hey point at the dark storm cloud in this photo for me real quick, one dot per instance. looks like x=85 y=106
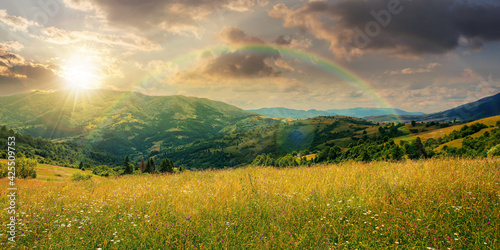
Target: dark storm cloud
x=397 y=26
x=476 y=20
x=241 y=63
x=236 y=35
x=282 y=40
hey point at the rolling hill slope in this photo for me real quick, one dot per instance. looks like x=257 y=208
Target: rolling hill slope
x=124 y=123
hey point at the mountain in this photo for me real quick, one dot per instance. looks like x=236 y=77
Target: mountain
x=483 y=108
x=362 y=112
x=123 y=123
x=353 y=112
x=101 y=127
x=291 y=113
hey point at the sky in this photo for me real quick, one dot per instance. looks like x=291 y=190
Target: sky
x=415 y=55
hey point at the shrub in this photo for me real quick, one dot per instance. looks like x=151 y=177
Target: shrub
x=25 y=168
x=104 y=171
x=494 y=151
x=80 y=177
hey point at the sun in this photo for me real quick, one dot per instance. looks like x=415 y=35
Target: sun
x=81 y=73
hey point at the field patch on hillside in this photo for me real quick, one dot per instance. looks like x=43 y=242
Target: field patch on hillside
x=441 y=132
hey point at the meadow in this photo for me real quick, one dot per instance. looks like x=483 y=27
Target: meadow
x=425 y=204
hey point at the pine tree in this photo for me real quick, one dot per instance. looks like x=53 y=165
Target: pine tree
x=142 y=166
x=152 y=166
x=147 y=169
x=127 y=166
x=420 y=147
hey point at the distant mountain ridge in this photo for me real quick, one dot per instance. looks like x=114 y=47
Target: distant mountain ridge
x=281 y=112
x=483 y=108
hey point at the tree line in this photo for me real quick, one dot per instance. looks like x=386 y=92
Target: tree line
x=386 y=149
x=143 y=167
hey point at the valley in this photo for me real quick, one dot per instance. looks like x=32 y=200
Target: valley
x=101 y=127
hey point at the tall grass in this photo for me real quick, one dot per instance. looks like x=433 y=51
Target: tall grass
x=438 y=203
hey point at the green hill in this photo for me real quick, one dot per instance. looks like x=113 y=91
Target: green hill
x=302 y=135
x=102 y=127
x=194 y=132
x=123 y=123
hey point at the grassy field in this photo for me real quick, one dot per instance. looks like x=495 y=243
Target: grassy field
x=56 y=173
x=439 y=203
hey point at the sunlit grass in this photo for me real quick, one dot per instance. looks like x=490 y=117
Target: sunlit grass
x=439 y=203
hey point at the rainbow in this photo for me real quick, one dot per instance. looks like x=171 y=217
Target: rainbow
x=310 y=57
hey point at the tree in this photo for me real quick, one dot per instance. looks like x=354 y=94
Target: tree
x=166 y=166
x=128 y=169
x=80 y=166
x=152 y=167
x=147 y=169
x=413 y=123
x=396 y=153
x=142 y=166
x=420 y=147
x=263 y=160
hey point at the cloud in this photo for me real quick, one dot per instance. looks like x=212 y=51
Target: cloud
x=353 y=27
x=283 y=64
x=239 y=64
x=129 y=41
x=12 y=45
x=236 y=63
x=408 y=71
x=16 y=22
x=18 y=75
x=61 y=36
x=236 y=35
x=301 y=43
x=171 y=15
